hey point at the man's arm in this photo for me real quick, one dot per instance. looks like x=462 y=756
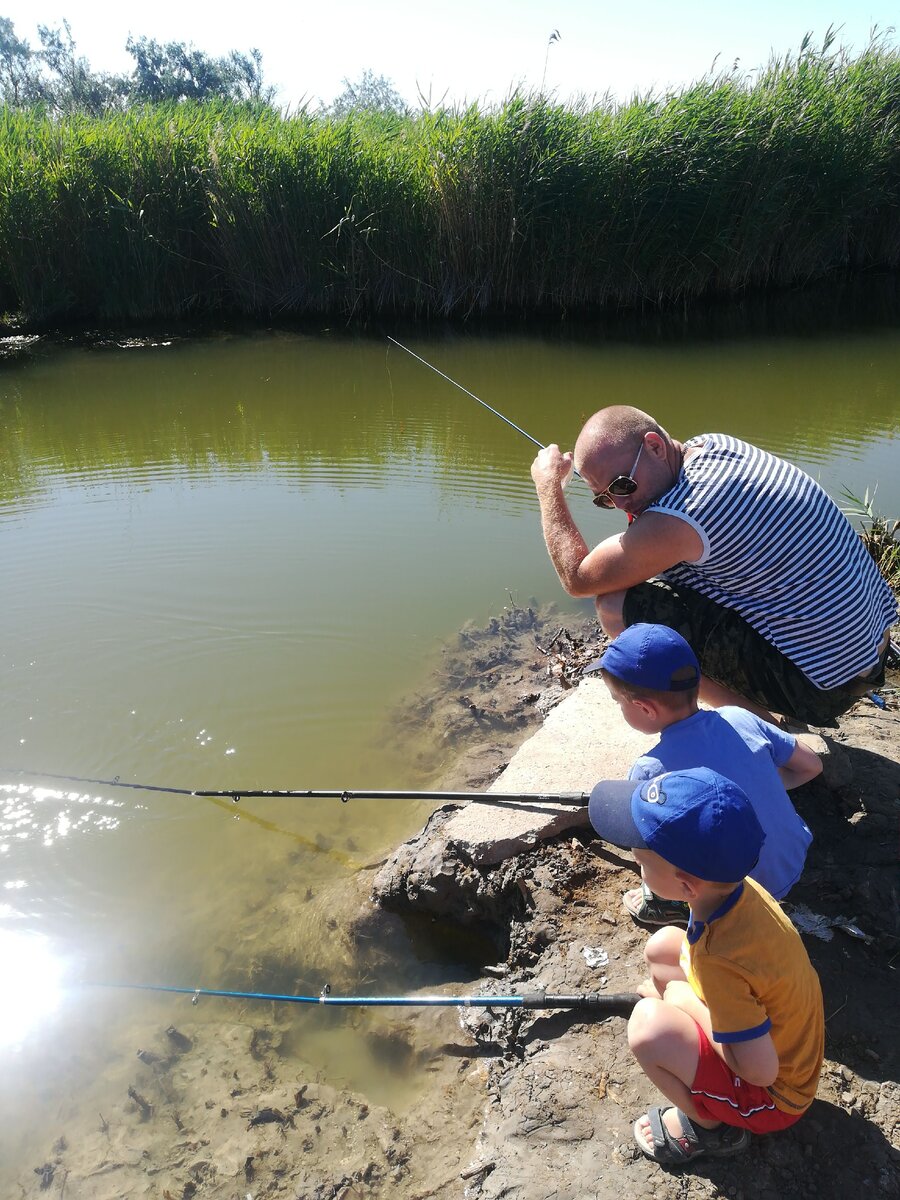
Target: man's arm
x=650 y=545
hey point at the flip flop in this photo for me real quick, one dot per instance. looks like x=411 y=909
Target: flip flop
x=695 y=1142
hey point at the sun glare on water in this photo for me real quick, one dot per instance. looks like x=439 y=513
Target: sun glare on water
x=32 y=984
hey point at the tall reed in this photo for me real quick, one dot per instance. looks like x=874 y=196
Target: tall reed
x=531 y=206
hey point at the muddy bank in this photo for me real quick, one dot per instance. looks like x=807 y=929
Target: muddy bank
x=492 y=688
x=564 y=1092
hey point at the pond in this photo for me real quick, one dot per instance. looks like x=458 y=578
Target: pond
x=225 y=563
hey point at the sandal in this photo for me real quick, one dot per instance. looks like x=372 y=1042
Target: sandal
x=648 y=909
x=695 y=1141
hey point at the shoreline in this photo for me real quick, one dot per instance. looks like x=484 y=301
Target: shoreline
x=506 y=1103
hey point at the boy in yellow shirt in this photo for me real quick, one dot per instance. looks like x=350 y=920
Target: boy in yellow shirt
x=731 y=1028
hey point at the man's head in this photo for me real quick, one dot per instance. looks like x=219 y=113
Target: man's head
x=619 y=443
x=653 y=675
x=696 y=822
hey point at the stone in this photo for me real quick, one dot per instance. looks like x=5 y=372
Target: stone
x=583 y=740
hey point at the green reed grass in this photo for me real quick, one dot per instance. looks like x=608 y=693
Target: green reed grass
x=529 y=207
x=879 y=534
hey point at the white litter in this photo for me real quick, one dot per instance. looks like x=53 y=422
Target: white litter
x=595 y=956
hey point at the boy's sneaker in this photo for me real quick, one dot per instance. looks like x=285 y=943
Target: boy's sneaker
x=648 y=909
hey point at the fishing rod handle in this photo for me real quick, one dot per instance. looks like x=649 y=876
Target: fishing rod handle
x=597 y=1001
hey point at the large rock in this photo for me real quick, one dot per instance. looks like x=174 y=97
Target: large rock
x=584 y=739
x=447 y=868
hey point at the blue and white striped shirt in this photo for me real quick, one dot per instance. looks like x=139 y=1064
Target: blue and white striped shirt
x=779 y=551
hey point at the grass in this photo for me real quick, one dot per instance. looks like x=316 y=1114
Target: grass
x=878 y=534
x=529 y=207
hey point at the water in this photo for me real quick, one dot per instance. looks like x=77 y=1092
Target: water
x=224 y=562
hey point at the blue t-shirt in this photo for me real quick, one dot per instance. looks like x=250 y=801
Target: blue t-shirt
x=748 y=750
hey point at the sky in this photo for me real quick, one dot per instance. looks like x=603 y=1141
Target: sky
x=467 y=49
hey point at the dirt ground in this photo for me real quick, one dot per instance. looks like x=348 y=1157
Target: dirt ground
x=524 y=1106
x=562 y=1098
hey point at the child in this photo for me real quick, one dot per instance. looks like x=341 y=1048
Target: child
x=731 y=1028
x=653 y=675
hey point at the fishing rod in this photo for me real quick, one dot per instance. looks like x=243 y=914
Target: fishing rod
x=483 y=403
x=620 y=1003
x=579 y=799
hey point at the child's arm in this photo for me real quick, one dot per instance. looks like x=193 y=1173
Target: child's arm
x=756 y=1061
x=803 y=765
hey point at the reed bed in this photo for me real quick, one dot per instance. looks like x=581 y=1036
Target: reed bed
x=533 y=206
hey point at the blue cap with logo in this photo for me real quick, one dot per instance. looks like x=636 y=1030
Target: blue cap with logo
x=697 y=820
x=652 y=656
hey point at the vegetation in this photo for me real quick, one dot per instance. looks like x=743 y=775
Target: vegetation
x=193 y=206
x=58 y=80
x=878 y=534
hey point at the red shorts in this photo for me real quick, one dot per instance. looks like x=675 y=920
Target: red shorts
x=719 y=1095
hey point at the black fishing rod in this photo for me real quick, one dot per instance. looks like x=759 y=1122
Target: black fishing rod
x=484 y=404
x=579 y=799
x=620 y=1003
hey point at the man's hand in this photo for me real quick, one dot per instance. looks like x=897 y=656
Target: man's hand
x=552 y=467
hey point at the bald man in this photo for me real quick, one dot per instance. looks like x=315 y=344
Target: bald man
x=741 y=552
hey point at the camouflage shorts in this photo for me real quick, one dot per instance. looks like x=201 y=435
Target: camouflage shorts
x=732 y=653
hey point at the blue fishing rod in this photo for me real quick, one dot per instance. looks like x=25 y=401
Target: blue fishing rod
x=614 y=1004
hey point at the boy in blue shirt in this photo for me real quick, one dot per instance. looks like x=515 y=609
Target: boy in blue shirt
x=653 y=675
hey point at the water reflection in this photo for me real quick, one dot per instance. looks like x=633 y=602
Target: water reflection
x=32 y=980
x=46 y=815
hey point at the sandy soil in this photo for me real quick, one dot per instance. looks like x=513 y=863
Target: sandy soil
x=503 y=1104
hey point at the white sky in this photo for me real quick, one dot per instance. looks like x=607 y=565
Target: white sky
x=468 y=49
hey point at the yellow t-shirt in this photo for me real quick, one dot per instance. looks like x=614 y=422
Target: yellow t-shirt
x=750 y=968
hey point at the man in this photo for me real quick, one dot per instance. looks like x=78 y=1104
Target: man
x=746 y=556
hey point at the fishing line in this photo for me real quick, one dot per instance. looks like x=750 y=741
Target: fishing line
x=483 y=403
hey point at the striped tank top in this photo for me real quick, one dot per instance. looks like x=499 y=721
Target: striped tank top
x=778 y=550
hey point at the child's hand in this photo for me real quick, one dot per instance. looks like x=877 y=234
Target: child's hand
x=647 y=989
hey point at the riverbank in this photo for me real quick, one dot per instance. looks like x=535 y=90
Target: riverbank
x=562 y=1093
x=739 y=182
x=216 y=1101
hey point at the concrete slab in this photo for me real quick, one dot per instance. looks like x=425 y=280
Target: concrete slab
x=583 y=739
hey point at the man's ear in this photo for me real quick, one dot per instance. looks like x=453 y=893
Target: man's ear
x=654 y=444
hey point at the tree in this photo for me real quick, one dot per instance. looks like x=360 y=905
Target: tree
x=57 y=77
x=178 y=71
x=371 y=93
x=20 y=75
x=73 y=86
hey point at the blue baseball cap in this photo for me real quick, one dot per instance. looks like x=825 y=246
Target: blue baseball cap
x=697 y=820
x=652 y=656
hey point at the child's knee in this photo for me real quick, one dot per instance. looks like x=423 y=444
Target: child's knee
x=609 y=613
x=662 y=948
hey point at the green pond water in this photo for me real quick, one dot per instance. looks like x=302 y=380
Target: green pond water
x=224 y=563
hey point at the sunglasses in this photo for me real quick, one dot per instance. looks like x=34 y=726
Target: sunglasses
x=622 y=485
